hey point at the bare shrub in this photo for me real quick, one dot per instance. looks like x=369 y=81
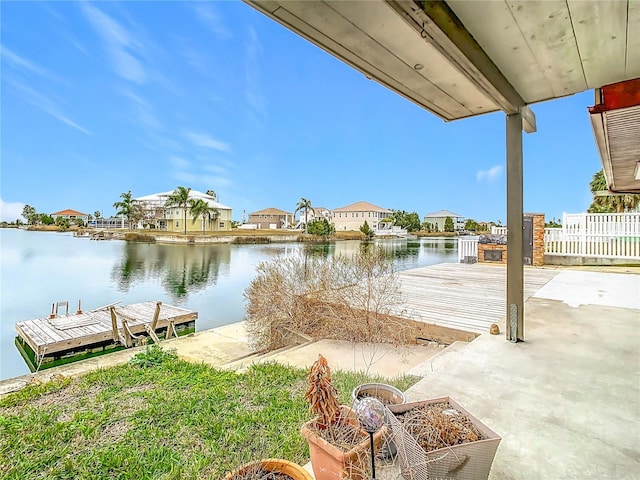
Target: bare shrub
x=344 y=298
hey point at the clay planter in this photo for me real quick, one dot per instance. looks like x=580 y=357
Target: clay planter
x=330 y=462
x=295 y=471
x=467 y=461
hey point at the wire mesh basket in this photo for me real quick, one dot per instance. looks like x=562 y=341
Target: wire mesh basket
x=466 y=461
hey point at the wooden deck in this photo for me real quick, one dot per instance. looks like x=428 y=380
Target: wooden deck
x=46 y=336
x=468 y=297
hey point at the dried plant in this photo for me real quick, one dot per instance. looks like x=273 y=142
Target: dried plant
x=356 y=298
x=438 y=425
x=322 y=395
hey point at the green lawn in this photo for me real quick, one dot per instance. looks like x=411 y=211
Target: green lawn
x=159 y=417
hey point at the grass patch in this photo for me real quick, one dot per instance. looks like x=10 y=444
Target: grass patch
x=159 y=417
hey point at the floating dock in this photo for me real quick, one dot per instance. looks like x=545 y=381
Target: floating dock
x=49 y=341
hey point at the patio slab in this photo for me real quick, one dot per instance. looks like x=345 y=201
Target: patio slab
x=567 y=400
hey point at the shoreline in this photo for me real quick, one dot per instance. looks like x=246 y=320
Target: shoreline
x=234 y=236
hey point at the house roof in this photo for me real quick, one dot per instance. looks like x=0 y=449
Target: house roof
x=444 y=213
x=162 y=198
x=271 y=211
x=362 y=207
x=70 y=212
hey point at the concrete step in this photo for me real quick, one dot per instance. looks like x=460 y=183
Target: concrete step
x=243 y=363
x=439 y=360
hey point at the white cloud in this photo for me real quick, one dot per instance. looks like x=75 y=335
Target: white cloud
x=47 y=105
x=490 y=174
x=11 y=211
x=211 y=19
x=204 y=140
x=24 y=64
x=120 y=44
x=215 y=169
x=179 y=163
x=144 y=114
x=253 y=92
x=21 y=62
x=199 y=181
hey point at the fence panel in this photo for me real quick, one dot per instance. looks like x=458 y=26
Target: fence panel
x=467 y=247
x=610 y=235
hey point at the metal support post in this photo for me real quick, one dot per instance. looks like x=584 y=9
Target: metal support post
x=515 y=263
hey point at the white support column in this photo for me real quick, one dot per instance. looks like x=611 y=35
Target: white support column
x=515 y=263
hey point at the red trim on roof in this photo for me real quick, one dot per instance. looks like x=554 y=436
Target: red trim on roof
x=618 y=95
x=70 y=212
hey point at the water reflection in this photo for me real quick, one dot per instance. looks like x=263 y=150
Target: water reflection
x=181 y=269
x=40 y=267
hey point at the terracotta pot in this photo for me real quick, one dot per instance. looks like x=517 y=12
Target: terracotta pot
x=331 y=463
x=295 y=471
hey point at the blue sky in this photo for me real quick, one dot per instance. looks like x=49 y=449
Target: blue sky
x=100 y=98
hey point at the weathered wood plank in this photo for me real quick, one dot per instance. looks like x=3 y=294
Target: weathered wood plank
x=460 y=296
x=40 y=334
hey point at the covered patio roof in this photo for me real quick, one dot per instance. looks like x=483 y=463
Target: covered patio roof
x=460 y=58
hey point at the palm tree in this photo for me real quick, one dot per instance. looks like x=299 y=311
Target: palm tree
x=125 y=207
x=180 y=198
x=305 y=205
x=609 y=203
x=201 y=208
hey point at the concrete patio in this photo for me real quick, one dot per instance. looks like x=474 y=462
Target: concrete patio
x=566 y=401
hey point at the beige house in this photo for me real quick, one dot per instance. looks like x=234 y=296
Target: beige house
x=352 y=216
x=171 y=219
x=271 y=218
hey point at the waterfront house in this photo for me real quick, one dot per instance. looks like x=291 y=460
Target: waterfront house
x=71 y=215
x=313 y=214
x=156 y=215
x=353 y=216
x=271 y=218
x=438 y=218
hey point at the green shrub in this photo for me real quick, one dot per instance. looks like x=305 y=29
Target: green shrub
x=153 y=356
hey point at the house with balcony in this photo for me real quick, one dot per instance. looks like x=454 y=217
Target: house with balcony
x=313 y=214
x=271 y=218
x=352 y=217
x=155 y=214
x=438 y=218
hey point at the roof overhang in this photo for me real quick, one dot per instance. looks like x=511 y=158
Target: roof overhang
x=460 y=58
x=615 y=118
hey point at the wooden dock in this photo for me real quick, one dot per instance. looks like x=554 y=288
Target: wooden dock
x=467 y=297
x=59 y=335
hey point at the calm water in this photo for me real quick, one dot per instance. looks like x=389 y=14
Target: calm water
x=39 y=268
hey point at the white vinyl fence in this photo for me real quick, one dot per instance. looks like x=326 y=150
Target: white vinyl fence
x=605 y=235
x=467 y=247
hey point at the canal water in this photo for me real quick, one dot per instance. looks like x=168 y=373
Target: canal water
x=40 y=268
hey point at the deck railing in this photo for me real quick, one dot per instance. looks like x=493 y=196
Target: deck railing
x=498 y=230
x=467 y=247
x=604 y=235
